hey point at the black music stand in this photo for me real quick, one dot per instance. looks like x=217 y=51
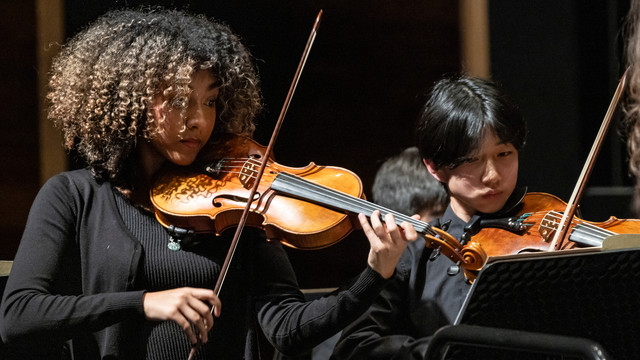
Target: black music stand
x=587 y=293
x=482 y=342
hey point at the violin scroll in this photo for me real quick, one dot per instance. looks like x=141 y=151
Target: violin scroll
x=474 y=256
x=471 y=257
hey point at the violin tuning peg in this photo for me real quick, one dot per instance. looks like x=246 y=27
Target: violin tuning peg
x=454 y=269
x=434 y=254
x=445 y=225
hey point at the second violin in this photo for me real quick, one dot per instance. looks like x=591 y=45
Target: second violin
x=534 y=226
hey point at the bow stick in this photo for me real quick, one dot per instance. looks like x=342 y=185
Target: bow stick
x=267 y=154
x=562 y=229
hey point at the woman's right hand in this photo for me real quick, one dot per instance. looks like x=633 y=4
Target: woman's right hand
x=185 y=306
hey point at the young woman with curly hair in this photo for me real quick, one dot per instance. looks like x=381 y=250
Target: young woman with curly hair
x=136 y=90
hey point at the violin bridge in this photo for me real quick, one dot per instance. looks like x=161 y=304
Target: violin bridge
x=548 y=226
x=248 y=173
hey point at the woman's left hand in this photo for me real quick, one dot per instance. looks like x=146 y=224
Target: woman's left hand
x=387 y=240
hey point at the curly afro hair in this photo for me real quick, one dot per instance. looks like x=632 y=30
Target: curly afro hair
x=103 y=81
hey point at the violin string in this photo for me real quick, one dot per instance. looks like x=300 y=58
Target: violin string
x=352 y=203
x=346 y=199
x=237 y=172
x=590 y=228
x=234 y=163
x=239 y=161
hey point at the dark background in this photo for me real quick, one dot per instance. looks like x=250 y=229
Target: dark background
x=362 y=88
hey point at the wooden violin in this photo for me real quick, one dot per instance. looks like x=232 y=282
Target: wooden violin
x=534 y=226
x=307 y=208
x=209 y=196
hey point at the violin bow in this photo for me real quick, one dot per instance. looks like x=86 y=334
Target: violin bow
x=245 y=214
x=572 y=205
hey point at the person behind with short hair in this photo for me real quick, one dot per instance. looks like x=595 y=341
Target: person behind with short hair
x=404 y=184
x=469 y=134
x=135 y=91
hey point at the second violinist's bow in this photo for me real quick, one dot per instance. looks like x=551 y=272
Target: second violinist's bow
x=561 y=231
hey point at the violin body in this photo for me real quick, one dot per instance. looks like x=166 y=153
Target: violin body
x=210 y=196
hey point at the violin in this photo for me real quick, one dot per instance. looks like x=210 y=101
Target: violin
x=535 y=225
x=309 y=207
x=209 y=196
